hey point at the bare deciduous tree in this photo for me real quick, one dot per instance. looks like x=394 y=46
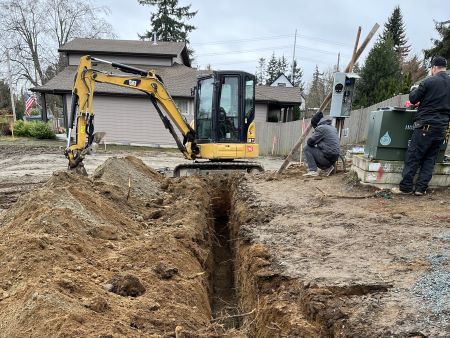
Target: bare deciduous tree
x=33 y=30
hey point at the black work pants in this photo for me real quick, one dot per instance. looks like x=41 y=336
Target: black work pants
x=422 y=153
x=316 y=158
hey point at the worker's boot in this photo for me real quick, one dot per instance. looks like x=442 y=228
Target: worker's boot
x=311 y=173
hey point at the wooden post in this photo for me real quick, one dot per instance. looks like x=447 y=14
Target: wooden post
x=352 y=62
x=327 y=99
x=44 y=108
x=64 y=106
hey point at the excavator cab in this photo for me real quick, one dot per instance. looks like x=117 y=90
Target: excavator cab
x=224 y=107
x=224 y=124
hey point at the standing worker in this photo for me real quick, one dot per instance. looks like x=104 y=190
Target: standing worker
x=430 y=124
x=322 y=148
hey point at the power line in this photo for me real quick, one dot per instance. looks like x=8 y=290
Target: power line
x=310 y=60
x=270 y=48
x=240 y=40
x=270 y=38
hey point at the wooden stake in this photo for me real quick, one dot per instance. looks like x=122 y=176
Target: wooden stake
x=129 y=187
x=327 y=99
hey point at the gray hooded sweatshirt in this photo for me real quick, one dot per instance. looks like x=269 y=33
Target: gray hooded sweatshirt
x=325 y=137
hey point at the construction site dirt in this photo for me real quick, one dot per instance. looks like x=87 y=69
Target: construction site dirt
x=128 y=252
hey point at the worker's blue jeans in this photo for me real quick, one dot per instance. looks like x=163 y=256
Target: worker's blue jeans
x=315 y=158
x=422 y=153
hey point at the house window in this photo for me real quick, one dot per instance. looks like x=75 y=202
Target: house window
x=182 y=105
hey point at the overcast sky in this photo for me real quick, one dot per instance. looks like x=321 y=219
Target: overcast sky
x=234 y=34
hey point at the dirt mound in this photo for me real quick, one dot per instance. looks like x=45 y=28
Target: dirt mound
x=67 y=246
x=130 y=174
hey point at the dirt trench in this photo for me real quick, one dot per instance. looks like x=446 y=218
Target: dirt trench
x=129 y=253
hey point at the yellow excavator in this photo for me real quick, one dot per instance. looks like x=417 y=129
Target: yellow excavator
x=221 y=137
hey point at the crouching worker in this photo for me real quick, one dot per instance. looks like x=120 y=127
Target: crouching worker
x=322 y=148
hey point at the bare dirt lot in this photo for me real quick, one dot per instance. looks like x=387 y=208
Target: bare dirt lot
x=127 y=252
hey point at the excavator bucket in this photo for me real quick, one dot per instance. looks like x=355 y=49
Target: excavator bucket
x=98 y=137
x=79 y=169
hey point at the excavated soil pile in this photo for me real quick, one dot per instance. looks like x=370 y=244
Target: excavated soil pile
x=120 y=254
x=129 y=253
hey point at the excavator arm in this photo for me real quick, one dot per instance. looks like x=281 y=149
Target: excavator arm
x=144 y=81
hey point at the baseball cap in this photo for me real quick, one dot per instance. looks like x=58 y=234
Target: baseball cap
x=439 y=61
x=316 y=119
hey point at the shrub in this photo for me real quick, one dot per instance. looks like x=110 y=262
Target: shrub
x=22 y=128
x=41 y=130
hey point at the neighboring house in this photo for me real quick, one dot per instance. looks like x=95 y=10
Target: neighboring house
x=282 y=81
x=127 y=116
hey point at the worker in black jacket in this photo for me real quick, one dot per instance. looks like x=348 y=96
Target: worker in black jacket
x=430 y=125
x=322 y=148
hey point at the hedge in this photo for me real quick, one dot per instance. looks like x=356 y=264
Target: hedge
x=39 y=129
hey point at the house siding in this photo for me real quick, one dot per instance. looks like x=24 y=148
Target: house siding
x=261 y=112
x=74 y=59
x=134 y=120
x=131 y=120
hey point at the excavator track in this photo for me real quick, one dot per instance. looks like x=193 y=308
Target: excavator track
x=206 y=168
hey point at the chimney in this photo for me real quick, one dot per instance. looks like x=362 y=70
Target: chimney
x=154 y=39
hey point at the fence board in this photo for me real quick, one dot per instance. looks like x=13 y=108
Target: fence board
x=286 y=135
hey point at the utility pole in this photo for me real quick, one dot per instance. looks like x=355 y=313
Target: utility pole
x=338 y=60
x=293 y=57
x=13 y=105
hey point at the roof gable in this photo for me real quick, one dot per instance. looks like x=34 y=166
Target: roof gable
x=282 y=78
x=128 y=47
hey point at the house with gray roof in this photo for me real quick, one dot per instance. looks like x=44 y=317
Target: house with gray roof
x=127 y=116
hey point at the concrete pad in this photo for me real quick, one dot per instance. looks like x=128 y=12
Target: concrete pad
x=388 y=174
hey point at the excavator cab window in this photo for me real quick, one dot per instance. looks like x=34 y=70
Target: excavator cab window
x=205 y=91
x=249 y=108
x=228 y=113
x=224 y=107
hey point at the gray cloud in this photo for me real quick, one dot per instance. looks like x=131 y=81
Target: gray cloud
x=234 y=34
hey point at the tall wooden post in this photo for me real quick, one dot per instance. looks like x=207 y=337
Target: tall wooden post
x=44 y=108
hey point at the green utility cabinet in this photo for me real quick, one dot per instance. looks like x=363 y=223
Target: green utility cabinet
x=389 y=133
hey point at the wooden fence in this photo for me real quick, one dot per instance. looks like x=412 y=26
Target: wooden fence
x=278 y=139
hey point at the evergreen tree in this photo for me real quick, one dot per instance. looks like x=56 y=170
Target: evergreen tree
x=380 y=76
x=5 y=96
x=396 y=29
x=168 y=22
x=272 y=70
x=261 y=72
x=316 y=92
x=282 y=65
x=297 y=77
x=440 y=47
